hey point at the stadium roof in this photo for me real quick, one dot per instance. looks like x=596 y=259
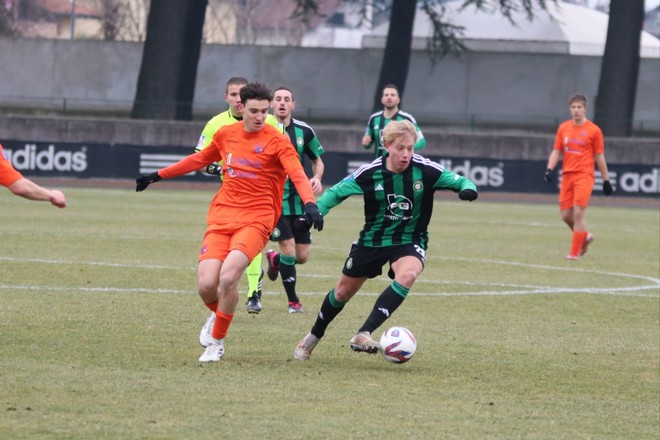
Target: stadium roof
x=565 y=29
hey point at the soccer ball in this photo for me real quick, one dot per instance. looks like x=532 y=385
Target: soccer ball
x=399 y=345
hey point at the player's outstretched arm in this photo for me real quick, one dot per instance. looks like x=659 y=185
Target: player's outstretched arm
x=465 y=188
x=27 y=189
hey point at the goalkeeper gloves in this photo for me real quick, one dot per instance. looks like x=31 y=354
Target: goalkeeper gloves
x=607 y=188
x=468 y=194
x=314 y=216
x=142 y=182
x=547 y=176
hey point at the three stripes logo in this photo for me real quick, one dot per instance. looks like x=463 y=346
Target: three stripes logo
x=150 y=163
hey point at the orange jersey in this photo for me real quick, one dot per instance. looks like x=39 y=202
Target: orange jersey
x=255 y=167
x=579 y=144
x=8 y=174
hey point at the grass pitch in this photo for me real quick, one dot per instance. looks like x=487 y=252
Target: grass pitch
x=99 y=322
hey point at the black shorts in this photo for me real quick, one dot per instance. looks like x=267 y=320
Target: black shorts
x=368 y=262
x=284 y=231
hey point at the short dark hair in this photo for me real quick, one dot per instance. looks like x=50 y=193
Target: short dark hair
x=235 y=81
x=293 y=98
x=391 y=86
x=256 y=90
x=577 y=97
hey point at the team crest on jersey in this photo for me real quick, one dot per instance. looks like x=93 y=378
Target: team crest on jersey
x=300 y=141
x=418 y=185
x=258 y=149
x=399 y=207
x=349 y=263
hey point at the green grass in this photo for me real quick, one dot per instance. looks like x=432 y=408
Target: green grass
x=99 y=320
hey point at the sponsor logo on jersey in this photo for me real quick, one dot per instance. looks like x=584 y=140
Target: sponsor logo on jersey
x=398 y=207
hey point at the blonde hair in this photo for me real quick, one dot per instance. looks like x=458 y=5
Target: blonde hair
x=397 y=129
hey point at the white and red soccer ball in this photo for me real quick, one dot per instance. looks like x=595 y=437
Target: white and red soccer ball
x=398 y=345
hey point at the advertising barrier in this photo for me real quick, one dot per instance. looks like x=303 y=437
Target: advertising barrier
x=118 y=161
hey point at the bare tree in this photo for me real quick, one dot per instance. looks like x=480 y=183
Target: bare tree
x=166 y=82
x=122 y=20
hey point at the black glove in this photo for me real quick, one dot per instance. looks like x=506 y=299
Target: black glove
x=607 y=188
x=142 y=182
x=312 y=211
x=548 y=177
x=302 y=224
x=215 y=169
x=468 y=194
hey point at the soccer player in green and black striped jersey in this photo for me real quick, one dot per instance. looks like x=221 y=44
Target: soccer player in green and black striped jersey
x=295 y=244
x=398 y=194
x=373 y=135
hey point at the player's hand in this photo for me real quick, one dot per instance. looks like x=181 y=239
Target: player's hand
x=312 y=211
x=215 y=169
x=468 y=194
x=302 y=224
x=548 y=175
x=607 y=188
x=142 y=182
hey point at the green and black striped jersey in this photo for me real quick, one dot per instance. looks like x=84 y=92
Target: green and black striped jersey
x=397 y=207
x=304 y=140
x=377 y=123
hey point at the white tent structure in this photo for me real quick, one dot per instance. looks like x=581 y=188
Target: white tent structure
x=565 y=28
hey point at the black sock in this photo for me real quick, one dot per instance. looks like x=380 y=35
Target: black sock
x=329 y=309
x=386 y=304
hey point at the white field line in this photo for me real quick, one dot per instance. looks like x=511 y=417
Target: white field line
x=519 y=289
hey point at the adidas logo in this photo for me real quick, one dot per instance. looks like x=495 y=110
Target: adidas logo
x=378 y=187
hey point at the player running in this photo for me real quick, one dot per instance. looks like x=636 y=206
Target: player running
x=234 y=114
x=295 y=244
x=398 y=194
x=581 y=142
x=256 y=159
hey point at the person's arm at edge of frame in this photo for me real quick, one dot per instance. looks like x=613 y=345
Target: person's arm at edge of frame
x=27 y=189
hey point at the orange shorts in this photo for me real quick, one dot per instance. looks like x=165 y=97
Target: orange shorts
x=575 y=190
x=219 y=241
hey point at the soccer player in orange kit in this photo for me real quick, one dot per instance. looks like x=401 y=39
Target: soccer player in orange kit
x=256 y=159
x=581 y=143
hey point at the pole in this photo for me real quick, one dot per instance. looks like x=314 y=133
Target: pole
x=73 y=18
